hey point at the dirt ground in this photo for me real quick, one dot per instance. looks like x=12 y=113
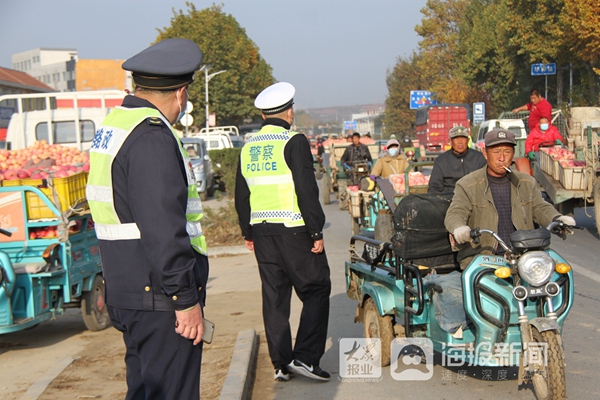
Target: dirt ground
x=234 y=305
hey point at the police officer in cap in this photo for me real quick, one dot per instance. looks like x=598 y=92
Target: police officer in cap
x=277 y=201
x=147 y=211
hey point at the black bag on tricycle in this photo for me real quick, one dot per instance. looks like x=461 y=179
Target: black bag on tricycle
x=419 y=232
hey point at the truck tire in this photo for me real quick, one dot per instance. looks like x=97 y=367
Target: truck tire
x=343 y=195
x=210 y=188
x=384 y=227
x=326 y=189
x=203 y=196
x=377 y=326
x=93 y=307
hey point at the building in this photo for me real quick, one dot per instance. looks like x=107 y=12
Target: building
x=16 y=82
x=54 y=67
x=62 y=70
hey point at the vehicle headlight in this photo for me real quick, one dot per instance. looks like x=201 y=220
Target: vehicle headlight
x=536 y=267
x=198 y=169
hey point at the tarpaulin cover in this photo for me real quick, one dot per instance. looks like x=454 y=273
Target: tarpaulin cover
x=419 y=230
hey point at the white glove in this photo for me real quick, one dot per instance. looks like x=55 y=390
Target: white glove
x=565 y=219
x=462 y=234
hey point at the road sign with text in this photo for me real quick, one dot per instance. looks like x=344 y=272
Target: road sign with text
x=543 y=69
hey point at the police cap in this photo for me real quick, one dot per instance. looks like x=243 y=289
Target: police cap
x=166 y=65
x=276 y=98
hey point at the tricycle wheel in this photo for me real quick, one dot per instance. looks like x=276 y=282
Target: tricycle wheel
x=597 y=203
x=377 y=326
x=93 y=306
x=326 y=189
x=343 y=195
x=549 y=380
x=384 y=227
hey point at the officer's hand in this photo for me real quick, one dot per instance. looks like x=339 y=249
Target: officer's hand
x=462 y=234
x=531 y=155
x=249 y=244
x=189 y=324
x=318 y=246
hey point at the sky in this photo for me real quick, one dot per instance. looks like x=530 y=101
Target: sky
x=335 y=52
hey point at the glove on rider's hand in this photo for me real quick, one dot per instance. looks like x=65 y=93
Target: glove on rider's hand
x=462 y=234
x=531 y=155
x=558 y=142
x=565 y=219
x=373 y=177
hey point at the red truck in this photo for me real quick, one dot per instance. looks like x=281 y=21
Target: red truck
x=433 y=123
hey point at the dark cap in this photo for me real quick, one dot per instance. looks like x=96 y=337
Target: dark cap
x=499 y=136
x=167 y=65
x=459 y=131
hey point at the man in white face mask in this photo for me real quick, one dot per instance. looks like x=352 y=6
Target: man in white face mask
x=393 y=161
x=544 y=134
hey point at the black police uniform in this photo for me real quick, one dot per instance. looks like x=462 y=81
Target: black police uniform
x=148 y=279
x=285 y=260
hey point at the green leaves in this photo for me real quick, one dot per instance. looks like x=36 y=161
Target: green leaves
x=225 y=46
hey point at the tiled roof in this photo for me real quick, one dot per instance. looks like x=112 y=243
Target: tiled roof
x=23 y=79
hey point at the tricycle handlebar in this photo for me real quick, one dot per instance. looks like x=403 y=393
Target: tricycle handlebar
x=5 y=232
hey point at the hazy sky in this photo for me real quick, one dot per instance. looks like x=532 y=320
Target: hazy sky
x=336 y=52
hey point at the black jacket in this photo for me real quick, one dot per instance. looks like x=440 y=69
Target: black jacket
x=300 y=161
x=449 y=167
x=356 y=153
x=160 y=271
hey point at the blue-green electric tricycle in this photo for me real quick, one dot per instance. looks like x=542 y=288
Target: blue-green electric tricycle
x=487 y=316
x=47 y=264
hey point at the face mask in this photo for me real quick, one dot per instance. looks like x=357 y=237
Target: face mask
x=181 y=112
x=393 y=151
x=544 y=127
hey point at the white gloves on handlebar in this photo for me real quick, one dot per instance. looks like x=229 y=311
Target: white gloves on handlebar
x=565 y=219
x=462 y=234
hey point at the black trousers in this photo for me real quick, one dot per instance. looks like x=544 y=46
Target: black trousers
x=160 y=363
x=285 y=261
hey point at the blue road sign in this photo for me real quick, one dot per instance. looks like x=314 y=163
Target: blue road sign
x=421 y=98
x=350 y=125
x=478 y=112
x=543 y=69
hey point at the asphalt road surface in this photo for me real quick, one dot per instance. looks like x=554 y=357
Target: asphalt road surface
x=581 y=336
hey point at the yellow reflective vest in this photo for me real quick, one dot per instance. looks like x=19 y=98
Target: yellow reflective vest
x=272 y=193
x=106 y=144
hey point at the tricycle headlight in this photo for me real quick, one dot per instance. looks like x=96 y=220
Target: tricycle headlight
x=536 y=267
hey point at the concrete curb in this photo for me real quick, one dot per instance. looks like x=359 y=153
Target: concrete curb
x=220 y=251
x=239 y=381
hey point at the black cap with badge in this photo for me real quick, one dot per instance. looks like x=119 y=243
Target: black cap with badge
x=499 y=136
x=166 y=65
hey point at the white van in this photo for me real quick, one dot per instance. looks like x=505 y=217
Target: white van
x=215 y=140
x=67 y=118
x=516 y=126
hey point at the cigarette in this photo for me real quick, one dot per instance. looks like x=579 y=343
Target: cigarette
x=507 y=169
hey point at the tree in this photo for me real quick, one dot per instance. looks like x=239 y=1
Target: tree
x=225 y=46
x=405 y=76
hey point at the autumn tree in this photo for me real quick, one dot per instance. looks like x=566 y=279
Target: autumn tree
x=225 y=46
x=405 y=76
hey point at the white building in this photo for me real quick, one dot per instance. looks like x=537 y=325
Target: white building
x=365 y=121
x=54 y=67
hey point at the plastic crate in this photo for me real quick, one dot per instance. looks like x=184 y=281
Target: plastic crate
x=572 y=178
x=70 y=192
x=547 y=164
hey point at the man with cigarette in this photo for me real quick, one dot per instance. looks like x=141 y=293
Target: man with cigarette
x=496 y=197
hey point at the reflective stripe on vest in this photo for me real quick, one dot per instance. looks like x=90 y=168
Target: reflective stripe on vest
x=107 y=142
x=272 y=192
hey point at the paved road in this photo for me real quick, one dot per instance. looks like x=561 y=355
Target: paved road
x=581 y=334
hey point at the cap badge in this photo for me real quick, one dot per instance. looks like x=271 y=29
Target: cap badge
x=502 y=135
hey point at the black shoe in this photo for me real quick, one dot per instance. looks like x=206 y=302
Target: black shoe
x=309 y=371
x=282 y=375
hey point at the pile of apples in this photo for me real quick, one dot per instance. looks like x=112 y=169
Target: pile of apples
x=571 y=163
x=49 y=232
x=559 y=153
x=42 y=160
x=414 y=179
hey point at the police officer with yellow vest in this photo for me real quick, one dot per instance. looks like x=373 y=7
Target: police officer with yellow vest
x=277 y=201
x=145 y=204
